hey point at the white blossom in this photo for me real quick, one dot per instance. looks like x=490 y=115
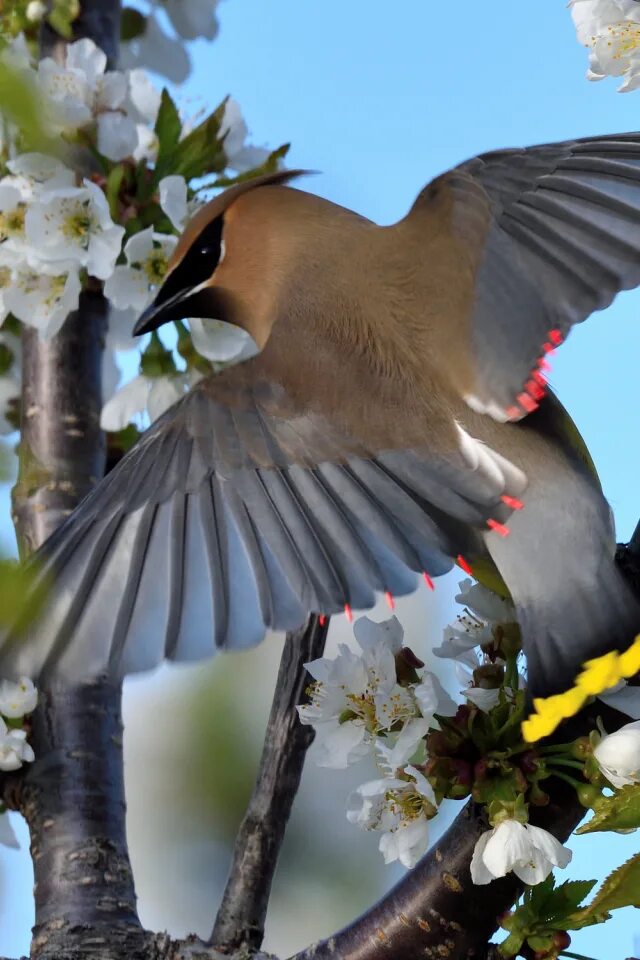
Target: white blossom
x=74 y=223
x=390 y=758
x=610 y=29
x=33 y=172
x=153 y=394
x=193 y=19
x=220 y=341
x=6 y=279
x=67 y=93
x=347 y=691
x=474 y=627
x=173 y=199
x=432 y=698
x=13 y=211
x=147 y=254
x=16 y=54
x=117 y=135
x=147 y=145
x=158 y=52
x=530 y=852
x=35 y=11
x=17 y=699
x=120 y=331
x=14 y=749
x=356 y=699
x=41 y=300
x=484 y=603
x=240 y=155
x=618 y=755
x=484 y=698
x=401 y=809
x=143 y=97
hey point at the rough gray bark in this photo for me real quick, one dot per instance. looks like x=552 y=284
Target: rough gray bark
x=62 y=450
x=435 y=911
x=242 y=914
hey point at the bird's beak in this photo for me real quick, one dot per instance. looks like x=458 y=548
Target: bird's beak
x=171 y=304
x=161 y=311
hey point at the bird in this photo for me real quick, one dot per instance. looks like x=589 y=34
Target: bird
x=394 y=420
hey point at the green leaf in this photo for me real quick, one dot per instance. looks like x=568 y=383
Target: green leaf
x=20 y=106
x=270 y=165
x=132 y=24
x=620 y=889
x=167 y=129
x=62 y=15
x=112 y=190
x=566 y=898
x=545 y=909
x=619 y=812
x=199 y=153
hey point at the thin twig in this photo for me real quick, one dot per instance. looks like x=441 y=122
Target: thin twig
x=241 y=917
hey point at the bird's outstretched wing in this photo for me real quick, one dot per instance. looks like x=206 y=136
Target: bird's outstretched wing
x=553 y=233
x=242 y=509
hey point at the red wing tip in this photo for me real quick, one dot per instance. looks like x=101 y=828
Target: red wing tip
x=498 y=527
x=322 y=619
x=556 y=337
x=429 y=582
x=390 y=601
x=544 y=364
x=527 y=402
x=348 y=612
x=512 y=502
x=513 y=413
x=462 y=563
x=534 y=389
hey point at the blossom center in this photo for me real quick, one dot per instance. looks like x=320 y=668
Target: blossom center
x=12 y=223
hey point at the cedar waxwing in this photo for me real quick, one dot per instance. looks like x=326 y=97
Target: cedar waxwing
x=395 y=420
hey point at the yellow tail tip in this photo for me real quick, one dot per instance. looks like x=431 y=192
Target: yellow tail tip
x=596 y=676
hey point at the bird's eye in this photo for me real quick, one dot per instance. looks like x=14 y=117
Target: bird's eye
x=209 y=249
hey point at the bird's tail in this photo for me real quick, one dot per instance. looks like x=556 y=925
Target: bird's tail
x=573 y=602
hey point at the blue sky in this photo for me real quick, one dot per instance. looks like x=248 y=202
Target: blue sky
x=380 y=98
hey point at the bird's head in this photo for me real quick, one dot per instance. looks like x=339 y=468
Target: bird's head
x=218 y=268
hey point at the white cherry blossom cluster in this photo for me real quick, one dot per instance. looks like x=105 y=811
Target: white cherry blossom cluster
x=610 y=29
x=380 y=702
x=17 y=700
x=358 y=708
x=467 y=639
x=57 y=226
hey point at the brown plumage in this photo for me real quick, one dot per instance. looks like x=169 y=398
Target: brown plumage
x=380 y=429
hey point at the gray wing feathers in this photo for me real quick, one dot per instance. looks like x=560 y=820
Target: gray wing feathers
x=564 y=239
x=187 y=548
x=220 y=523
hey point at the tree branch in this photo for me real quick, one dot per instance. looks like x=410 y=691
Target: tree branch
x=436 y=911
x=241 y=917
x=73 y=795
x=62 y=451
